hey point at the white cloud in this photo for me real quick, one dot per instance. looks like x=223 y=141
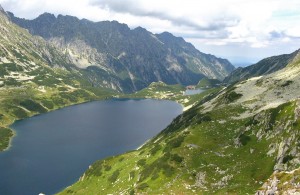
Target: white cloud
x=241 y=24
x=293 y=32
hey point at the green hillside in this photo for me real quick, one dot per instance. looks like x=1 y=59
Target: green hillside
x=230 y=142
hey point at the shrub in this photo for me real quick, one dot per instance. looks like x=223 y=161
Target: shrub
x=132 y=174
x=62 y=89
x=232 y=96
x=68 y=96
x=12 y=82
x=174 y=143
x=33 y=106
x=142 y=186
x=141 y=162
x=155 y=175
x=168 y=170
x=19 y=113
x=95 y=169
x=48 y=104
x=1 y=116
x=176 y=158
x=58 y=101
x=114 y=176
x=155 y=149
x=252 y=121
x=5 y=135
x=107 y=167
x=287 y=158
x=81 y=93
x=132 y=192
x=244 y=139
x=287 y=83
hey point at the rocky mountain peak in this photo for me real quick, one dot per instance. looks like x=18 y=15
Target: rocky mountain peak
x=2 y=11
x=1 y=8
x=47 y=16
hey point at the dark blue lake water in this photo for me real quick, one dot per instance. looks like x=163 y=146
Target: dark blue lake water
x=52 y=150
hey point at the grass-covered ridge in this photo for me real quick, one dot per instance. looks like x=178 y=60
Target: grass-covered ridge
x=21 y=102
x=200 y=152
x=229 y=142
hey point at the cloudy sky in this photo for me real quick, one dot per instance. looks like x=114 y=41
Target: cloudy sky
x=243 y=31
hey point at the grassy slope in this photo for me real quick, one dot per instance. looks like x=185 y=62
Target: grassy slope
x=199 y=153
x=208 y=83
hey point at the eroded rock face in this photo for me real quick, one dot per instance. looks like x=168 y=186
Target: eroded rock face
x=297 y=111
x=287 y=183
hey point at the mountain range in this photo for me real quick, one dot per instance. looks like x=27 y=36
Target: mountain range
x=136 y=56
x=263 y=67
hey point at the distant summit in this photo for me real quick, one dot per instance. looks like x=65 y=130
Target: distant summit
x=263 y=67
x=2 y=11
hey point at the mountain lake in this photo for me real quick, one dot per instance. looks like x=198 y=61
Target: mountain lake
x=193 y=91
x=51 y=151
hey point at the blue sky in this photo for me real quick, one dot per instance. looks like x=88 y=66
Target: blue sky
x=242 y=31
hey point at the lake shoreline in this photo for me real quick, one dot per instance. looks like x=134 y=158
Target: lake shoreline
x=79 y=134
x=184 y=108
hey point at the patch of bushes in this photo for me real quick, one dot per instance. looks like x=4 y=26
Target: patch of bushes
x=161 y=164
x=168 y=170
x=132 y=192
x=81 y=94
x=176 y=158
x=142 y=186
x=155 y=175
x=132 y=174
x=95 y=169
x=287 y=158
x=62 y=89
x=274 y=112
x=114 y=176
x=259 y=83
x=48 y=104
x=203 y=118
x=174 y=143
x=58 y=101
x=48 y=81
x=70 y=191
x=141 y=162
x=155 y=149
x=232 y=96
x=252 y=121
x=286 y=83
x=19 y=113
x=244 y=139
x=33 y=106
x=5 y=135
x=107 y=167
x=68 y=96
x=1 y=116
x=12 y=82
